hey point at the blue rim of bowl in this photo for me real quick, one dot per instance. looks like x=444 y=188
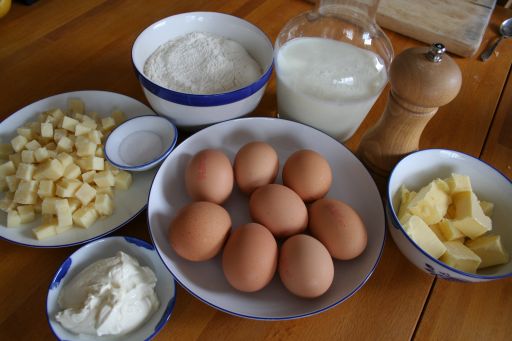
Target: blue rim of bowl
x=160 y=158
x=292 y=317
x=64 y=267
x=396 y=222
x=95 y=237
x=206 y=100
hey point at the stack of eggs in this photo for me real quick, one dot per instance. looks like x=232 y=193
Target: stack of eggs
x=277 y=239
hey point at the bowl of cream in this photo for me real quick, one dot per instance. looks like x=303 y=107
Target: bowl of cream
x=115 y=288
x=200 y=68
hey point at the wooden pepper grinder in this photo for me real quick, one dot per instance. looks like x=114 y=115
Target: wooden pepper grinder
x=422 y=79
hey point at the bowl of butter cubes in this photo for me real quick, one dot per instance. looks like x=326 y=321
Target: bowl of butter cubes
x=449 y=214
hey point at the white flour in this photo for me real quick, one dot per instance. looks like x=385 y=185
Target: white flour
x=202 y=63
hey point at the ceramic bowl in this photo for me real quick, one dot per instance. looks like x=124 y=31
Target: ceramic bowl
x=417 y=170
x=191 y=111
x=141 y=143
x=107 y=247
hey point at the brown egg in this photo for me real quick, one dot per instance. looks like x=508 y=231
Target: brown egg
x=256 y=164
x=338 y=227
x=279 y=209
x=209 y=176
x=305 y=266
x=249 y=259
x=199 y=230
x=308 y=173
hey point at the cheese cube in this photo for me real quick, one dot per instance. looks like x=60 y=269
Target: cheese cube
x=422 y=235
x=490 y=249
x=28 y=156
x=45 y=230
x=487 y=207
x=85 y=216
x=91 y=163
x=74 y=204
x=123 y=180
x=5 y=151
x=13 y=219
x=7 y=168
x=66 y=188
x=69 y=124
x=64 y=217
x=15 y=158
x=32 y=145
x=85 y=194
x=104 y=179
x=12 y=182
x=95 y=136
x=41 y=154
x=469 y=216
x=459 y=183
x=449 y=231
x=18 y=143
x=430 y=204
x=107 y=124
x=25 y=171
x=460 y=257
x=104 y=204
x=88 y=177
x=46 y=130
x=76 y=105
x=72 y=171
x=26 y=213
x=7 y=203
x=46 y=189
x=65 y=144
x=51 y=169
x=25 y=132
x=84 y=146
x=59 y=134
x=48 y=206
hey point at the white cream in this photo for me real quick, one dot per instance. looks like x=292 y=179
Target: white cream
x=112 y=296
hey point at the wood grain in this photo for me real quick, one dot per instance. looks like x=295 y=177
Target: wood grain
x=57 y=46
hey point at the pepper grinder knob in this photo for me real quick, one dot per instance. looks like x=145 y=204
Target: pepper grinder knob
x=422 y=79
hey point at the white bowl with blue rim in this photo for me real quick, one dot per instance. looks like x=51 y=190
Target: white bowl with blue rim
x=141 y=143
x=145 y=253
x=192 y=111
x=417 y=170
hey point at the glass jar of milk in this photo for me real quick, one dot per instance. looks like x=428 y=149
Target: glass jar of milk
x=331 y=65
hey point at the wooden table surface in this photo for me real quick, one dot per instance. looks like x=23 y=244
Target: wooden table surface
x=56 y=46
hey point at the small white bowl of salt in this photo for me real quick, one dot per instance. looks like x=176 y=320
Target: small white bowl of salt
x=141 y=143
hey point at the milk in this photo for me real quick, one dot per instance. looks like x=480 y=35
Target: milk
x=327 y=84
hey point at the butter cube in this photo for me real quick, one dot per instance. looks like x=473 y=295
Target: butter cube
x=65 y=144
x=88 y=177
x=490 y=249
x=91 y=163
x=95 y=136
x=57 y=113
x=15 y=158
x=84 y=146
x=76 y=105
x=104 y=179
x=123 y=180
x=46 y=129
x=32 y=145
x=7 y=203
x=26 y=132
x=13 y=219
x=45 y=230
x=72 y=171
x=12 y=182
x=460 y=257
x=69 y=124
x=104 y=204
x=74 y=204
x=435 y=228
x=105 y=190
x=89 y=122
x=59 y=134
x=5 y=151
x=46 y=189
x=449 y=231
x=469 y=216
x=28 y=186
x=25 y=197
x=28 y=156
x=65 y=159
x=107 y=124
x=48 y=206
x=85 y=216
x=430 y=204
x=26 y=213
x=422 y=235
x=450 y=213
x=3 y=185
x=99 y=152
x=405 y=197
x=85 y=194
x=18 y=143
x=7 y=168
x=459 y=183
x=67 y=188
x=25 y=171
x=51 y=169
x=82 y=129
x=487 y=207
x=64 y=217
x=118 y=116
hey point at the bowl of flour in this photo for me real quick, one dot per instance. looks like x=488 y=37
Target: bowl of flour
x=200 y=68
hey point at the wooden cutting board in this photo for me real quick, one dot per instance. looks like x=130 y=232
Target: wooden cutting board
x=458 y=24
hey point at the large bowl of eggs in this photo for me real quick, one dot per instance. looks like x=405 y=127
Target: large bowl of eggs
x=449 y=214
x=201 y=68
x=266 y=219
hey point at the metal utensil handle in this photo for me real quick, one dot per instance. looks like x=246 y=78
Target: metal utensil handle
x=487 y=53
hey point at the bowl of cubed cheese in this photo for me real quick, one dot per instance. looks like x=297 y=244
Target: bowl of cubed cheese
x=449 y=214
